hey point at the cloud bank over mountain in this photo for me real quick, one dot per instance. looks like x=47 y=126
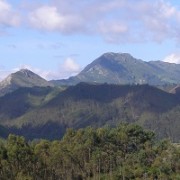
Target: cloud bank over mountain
x=115 y=21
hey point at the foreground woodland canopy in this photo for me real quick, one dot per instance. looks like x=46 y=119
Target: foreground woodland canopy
x=126 y=152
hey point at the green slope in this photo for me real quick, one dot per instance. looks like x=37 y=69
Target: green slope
x=23 y=100
x=95 y=105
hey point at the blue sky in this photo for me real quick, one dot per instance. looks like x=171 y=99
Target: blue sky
x=58 y=38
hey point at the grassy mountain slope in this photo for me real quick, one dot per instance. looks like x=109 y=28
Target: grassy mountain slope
x=94 y=105
x=122 y=68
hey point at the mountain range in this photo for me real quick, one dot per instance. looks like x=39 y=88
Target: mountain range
x=112 y=68
x=122 y=68
x=111 y=90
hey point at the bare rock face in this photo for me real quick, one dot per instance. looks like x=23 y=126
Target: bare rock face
x=22 y=78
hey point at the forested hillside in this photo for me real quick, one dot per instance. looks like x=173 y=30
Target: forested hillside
x=48 y=112
x=124 y=152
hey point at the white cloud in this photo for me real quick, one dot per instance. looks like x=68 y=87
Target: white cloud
x=4 y=73
x=46 y=18
x=115 y=20
x=68 y=68
x=173 y=58
x=113 y=27
x=70 y=65
x=113 y=31
x=159 y=20
x=50 y=19
x=8 y=17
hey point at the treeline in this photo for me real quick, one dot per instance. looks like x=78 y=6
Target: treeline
x=126 y=152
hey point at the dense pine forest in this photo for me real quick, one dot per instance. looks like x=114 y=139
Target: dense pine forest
x=125 y=152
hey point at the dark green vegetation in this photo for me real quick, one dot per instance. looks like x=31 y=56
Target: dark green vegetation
x=47 y=112
x=22 y=78
x=125 y=152
x=122 y=68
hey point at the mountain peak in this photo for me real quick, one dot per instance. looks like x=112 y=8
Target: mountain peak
x=123 y=68
x=26 y=72
x=22 y=78
x=120 y=54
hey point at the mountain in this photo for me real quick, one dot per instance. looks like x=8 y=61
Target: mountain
x=46 y=112
x=35 y=108
x=122 y=68
x=22 y=78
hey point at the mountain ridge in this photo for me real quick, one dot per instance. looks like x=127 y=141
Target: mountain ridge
x=112 y=68
x=123 y=68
